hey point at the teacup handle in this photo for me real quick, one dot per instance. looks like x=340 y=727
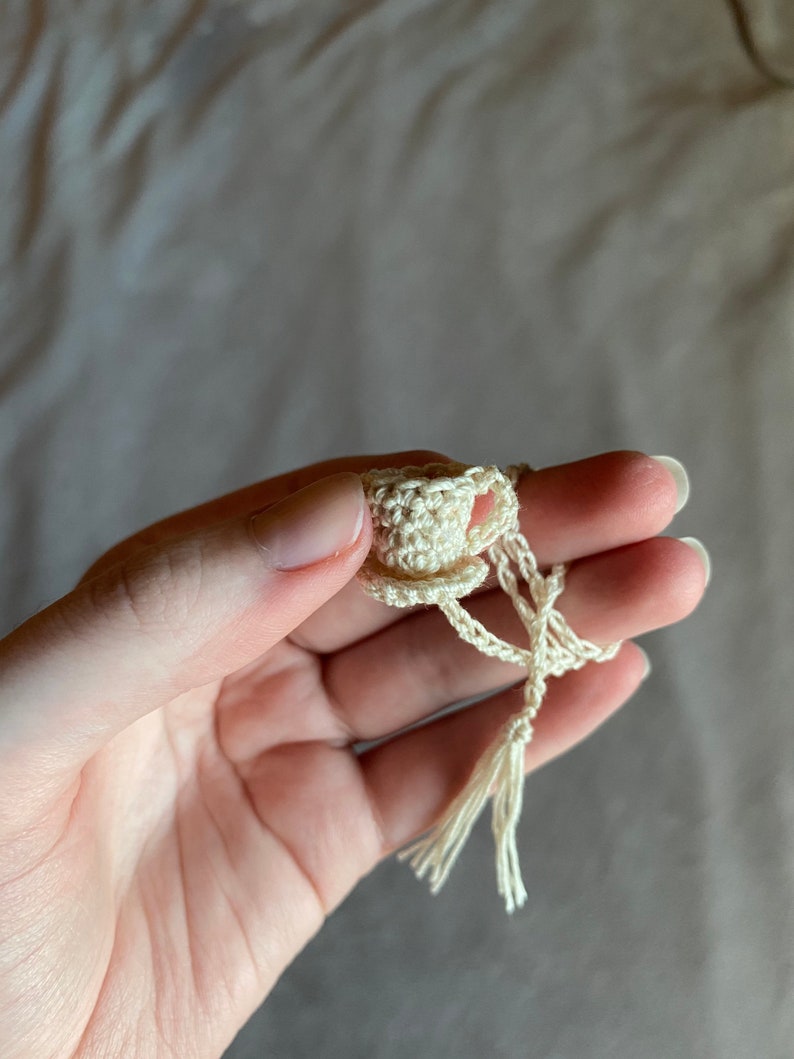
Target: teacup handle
x=502 y=515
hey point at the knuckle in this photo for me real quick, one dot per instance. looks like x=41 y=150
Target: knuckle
x=118 y=553
x=155 y=591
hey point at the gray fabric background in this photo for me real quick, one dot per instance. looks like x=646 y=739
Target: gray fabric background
x=236 y=237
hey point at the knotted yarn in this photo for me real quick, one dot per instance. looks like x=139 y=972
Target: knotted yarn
x=426 y=550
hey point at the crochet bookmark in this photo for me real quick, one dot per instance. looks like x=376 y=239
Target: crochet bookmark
x=426 y=550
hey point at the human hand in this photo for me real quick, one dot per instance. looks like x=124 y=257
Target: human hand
x=180 y=801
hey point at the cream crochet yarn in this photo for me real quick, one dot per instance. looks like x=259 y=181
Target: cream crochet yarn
x=425 y=550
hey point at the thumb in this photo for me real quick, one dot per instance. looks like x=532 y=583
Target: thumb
x=174 y=616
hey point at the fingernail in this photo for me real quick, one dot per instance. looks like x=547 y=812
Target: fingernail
x=313 y=524
x=678 y=471
x=700 y=548
x=646 y=660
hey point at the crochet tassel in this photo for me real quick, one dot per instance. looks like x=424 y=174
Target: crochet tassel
x=426 y=550
x=499 y=772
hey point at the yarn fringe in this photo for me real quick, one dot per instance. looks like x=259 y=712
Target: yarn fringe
x=426 y=553
x=498 y=773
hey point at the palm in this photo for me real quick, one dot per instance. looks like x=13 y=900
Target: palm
x=197 y=834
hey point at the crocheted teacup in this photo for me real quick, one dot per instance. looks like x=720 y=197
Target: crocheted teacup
x=425 y=548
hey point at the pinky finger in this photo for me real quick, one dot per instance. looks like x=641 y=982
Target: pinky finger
x=414 y=776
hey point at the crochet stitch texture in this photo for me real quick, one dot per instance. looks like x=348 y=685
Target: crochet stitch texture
x=426 y=550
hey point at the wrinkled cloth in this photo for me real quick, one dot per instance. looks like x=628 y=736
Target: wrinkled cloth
x=236 y=237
